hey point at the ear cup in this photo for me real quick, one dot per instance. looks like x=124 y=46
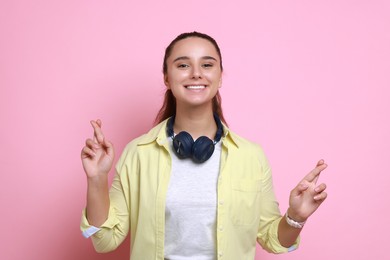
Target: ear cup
x=182 y=144
x=185 y=147
x=202 y=149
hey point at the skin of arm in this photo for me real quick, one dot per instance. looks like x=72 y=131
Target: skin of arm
x=304 y=200
x=97 y=157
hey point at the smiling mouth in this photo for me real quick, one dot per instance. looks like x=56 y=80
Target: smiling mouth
x=195 y=87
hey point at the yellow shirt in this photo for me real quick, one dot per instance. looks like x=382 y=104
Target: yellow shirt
x=247 y=209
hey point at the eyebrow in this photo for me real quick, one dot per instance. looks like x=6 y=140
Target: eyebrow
x=187 y=58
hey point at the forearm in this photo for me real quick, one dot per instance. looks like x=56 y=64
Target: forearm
x=287 y=234
x=98 y=201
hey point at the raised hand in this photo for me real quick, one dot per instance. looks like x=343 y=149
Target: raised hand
x=97 y=155
x=307 y=196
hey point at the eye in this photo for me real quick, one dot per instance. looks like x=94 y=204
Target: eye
x=208 y=65
x=182 y=66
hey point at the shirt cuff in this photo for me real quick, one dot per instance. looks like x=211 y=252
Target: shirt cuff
x=293 y=247
x=90 y=231
x=272 y=243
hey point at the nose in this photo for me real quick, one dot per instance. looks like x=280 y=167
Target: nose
x=196 y=72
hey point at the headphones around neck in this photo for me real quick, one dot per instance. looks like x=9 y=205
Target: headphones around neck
x=199 y=150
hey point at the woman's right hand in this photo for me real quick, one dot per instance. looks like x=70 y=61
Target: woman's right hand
x=97 y=155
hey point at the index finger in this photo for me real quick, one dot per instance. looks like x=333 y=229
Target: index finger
x=315 y=173
x=97 y=131
x=320 y=162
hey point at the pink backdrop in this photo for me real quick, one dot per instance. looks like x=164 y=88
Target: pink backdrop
x=306 y=79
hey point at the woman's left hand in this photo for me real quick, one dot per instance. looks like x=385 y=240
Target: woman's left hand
x=306 y=197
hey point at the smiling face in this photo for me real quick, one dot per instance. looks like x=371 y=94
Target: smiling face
x=193 y=73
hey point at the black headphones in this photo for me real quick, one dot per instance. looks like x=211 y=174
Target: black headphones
x=200 y=150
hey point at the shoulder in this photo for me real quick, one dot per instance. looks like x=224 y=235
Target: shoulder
x=245 y=152
x=245 y=149
x=242 y=143
x=155 y=134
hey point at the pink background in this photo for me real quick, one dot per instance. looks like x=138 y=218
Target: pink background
x=306 y=79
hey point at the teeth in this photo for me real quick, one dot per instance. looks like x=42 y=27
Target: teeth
x=195 y=87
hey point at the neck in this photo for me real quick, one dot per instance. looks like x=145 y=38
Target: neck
x=197 y=122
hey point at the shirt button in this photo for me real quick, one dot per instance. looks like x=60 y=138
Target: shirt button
x=220 y=228
x=221 y=202
x=220 y=254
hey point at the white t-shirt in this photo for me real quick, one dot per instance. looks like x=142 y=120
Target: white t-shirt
x=191 y=208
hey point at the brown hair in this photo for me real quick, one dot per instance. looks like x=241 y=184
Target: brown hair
x=168 y=107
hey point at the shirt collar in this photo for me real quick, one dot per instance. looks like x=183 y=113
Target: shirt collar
x=159 y=134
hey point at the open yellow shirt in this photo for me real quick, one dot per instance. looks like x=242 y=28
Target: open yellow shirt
x=247 y=209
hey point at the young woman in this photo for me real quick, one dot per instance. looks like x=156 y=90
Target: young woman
x=211 y=198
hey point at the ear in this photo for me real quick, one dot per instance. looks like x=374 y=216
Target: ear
x=166 y=82
x=220 y=82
